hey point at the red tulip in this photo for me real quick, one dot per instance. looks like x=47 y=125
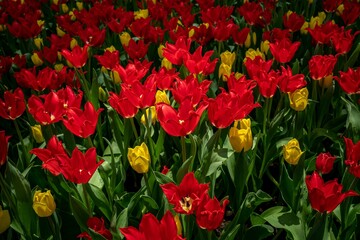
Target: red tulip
x=210 y=213
x=331 y=5
x=325 y=162
x=69 y=99
x=3 y=147
x=197 y=64
x=140 y=95
x=176 y=53
x=284 y=50
x=223 y=29
x=5 y=64
x=13 y=105
x=136 y=50
x=351 y=12
x=239 y=37
x=92 y=36
x=353 y=157
x=254 y=14
x=164 y=78
x=323 y=33
x=49 y=155
x=80 y=167
x=151 y=228
x=179 y=122
x=122 y=105
x=82 y=123
x=267 y=83
x=293 y=21
x=109 y=60
x=133 y=72
x=48 y=111
x=257 y=65
x=45 y=79
x=343 y=40
x=59 y=42
x=98 y=226
x=325 y=197
x=276 y=35
x=349 y=80
x=185 y=197
x=77 y=57
x=321 y=66
x=216 y=14
x=190 y=89
x=289 y=82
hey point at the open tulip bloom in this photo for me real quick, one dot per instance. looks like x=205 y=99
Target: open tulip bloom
x=194 y=119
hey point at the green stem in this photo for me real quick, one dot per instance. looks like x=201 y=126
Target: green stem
x=183 y=149
x=87 y=201
x=21 y=141
x=134 y=128
x=272 y=179
x=90 y=143
x=146 y=178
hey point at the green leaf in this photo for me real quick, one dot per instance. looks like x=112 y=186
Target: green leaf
x=218 y=157
x=122 y=220
x=353 y=116
x=286 y=186
x=20 y=184
x=258 y=232
x=280 y=217
x=230 y=234
x=353 y=58
x=149 y=202
x=99 y=199
x=80 y=212
x=161 y=178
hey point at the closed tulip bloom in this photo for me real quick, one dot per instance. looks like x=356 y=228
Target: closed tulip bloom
x=210 y=213
x=4 y=220
x=150 y=114
x=13 y=105
x=36 y=60
x=292 y=152
x=349 y=80
x=224 y=71
x=161 y=97
x=240 y=135
x=321 y=66
x=43 y=203
x=3 y=147
x=325 y=197
x=228 y=58
x=299 y=99
x=325 y=162
x=353 y=157
x=125 y=38
x=139 y=158
x=37 y=133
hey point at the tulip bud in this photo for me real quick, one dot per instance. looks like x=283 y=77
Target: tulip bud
x=102 y=95
x=160 y=51
x=58 y=67
x=264 y=46
x=166 y=63
x=80 y=5
x=178 y=224
x=115 y=77
x=191 y=33
x=139 y=158
x=4 y=220
x=2 y=27
x=151 y=115
x=36 y=60
x=64 y=7
x=224 y=70
x=161 y=97
x=326 y=82
x=325 y=162
x=251 y=53
x=43 y=203
x=73 y=43
x=37 y=133
x=303 y=29
x=72 y=16
x=110 y=49
x=125 y=38
x=228 y=58
x=142 y=13
x=340 y=9
x=38 y=42
x=241 y=138
x=59 y=32
x=248 y=41
x=238 y=75
x=40 y=23
x=299 y=99
x=292 y=152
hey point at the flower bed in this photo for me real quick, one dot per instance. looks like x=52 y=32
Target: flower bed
x=165 y=119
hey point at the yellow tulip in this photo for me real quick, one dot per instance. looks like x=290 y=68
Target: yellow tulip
x=166 y=63
x=37 y=133
x=142 y=13
x=326 y=82
x=125 y=38
x=241 y=138
x=4 y=220
x=111 y=49
x=299 y=99
x=265 y=46
x=43 y=203
x=73 y=43
x=38 y=42
x=161 y=97
x=224 y=70
x=160 y=50
x=228 y=58
x=139 y=158
x=36 y=60
x=59 y=31
x=64 y=8
x=292 y=151
x=152 y=117
x=252 y=53
x=80 y=5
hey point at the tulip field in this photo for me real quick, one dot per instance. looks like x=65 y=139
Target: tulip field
x=179 y=119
